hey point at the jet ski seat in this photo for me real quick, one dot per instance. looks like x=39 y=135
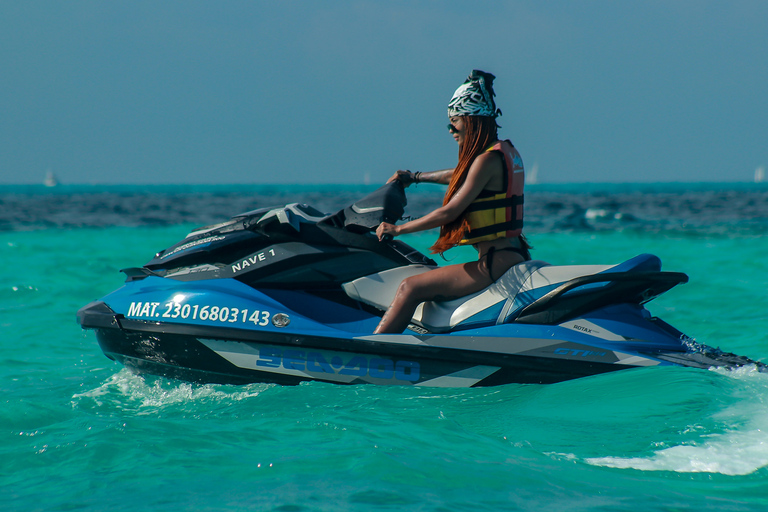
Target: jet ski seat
x=497 y=304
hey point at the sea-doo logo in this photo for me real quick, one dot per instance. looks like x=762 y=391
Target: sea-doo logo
x=252 y=260
x=356 y=365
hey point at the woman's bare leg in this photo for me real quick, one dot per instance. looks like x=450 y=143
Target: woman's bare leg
x=443 y=283
x=446 y=282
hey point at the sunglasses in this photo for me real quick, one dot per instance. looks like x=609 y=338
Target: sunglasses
x=452 y=128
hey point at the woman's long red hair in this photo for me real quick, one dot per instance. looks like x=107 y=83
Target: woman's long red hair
x=480 y=132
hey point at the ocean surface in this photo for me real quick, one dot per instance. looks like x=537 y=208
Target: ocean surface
x=78 y=432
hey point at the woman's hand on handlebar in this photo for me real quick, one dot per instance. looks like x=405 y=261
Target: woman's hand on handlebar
x=387 y=231
x=405 y=177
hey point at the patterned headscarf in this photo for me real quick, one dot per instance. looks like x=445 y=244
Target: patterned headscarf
x=474 y=97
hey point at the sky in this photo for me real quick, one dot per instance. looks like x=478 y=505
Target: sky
x=348 y=91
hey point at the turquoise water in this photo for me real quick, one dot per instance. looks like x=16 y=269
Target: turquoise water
x=78 y=432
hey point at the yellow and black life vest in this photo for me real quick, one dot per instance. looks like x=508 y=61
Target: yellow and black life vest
x=499 y=214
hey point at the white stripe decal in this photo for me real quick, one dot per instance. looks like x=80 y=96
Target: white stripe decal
x=245 y=356
x=634 y=360
x=461 y=379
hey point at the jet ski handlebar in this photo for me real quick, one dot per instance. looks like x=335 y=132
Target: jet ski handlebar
x=385 y=204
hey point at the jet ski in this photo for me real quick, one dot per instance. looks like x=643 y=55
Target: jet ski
x=289 y=294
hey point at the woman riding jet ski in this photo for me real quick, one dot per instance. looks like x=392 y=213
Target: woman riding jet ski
x=483 y=207
x=290 y=294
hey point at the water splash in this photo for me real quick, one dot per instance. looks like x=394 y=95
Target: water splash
x=146 y=395
x=742 y=449
x=735 y=453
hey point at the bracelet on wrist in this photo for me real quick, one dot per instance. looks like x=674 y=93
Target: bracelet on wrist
x=417 y=177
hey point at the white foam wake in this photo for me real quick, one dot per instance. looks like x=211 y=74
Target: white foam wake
x=740 y=450
x=736 y=453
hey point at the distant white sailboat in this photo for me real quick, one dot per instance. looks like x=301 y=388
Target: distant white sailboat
x=760 y=174
x=532 y=176
x=50 y=180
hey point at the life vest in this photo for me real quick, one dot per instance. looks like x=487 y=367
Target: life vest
x=499 y=214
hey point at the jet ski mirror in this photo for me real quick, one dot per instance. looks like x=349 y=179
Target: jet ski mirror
x=386 y=204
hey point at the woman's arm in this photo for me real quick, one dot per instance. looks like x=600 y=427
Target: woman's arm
x=485 y=167
x=407 y=177
x=442 y=177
